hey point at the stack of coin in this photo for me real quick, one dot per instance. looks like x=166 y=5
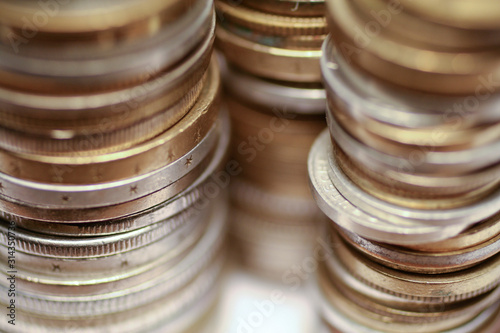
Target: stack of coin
x=410 y=177
x=110 y=133
x=273 y=39
x=372 y=287
x=277 y=105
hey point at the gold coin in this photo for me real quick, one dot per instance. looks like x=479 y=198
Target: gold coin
x=92 y=20
x=106 y=141
x=412 y=199
x=443 y=288
x=365 y=45
x=407 y=26
x=450 y=137
x=93 y=114
x=408 y=260
x=289 y=7
x=140 y=159
x=468 y=14
x=364 y=318
x=269 y=24
x=473 y=236
x=267 y=61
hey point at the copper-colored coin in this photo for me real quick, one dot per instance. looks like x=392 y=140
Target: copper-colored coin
x=338 y=310
x=292 y=42
x=95 y=16
x=105 y=141
x=444 y=288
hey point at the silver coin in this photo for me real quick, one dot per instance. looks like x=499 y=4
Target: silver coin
x=71 y=298
x=19 y=213
x=428 y=162
x=173 y=313
x=463 y=216
x=98 y=273
x=348 y=216
x=162 y=212
x=44 y=195
x=55 y=258
x=432 y=263
x=366 y=97
x=334 y=317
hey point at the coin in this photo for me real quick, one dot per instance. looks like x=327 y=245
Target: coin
x=119 y=66
x=273 y=25
x=140 y=159
x=190 y=183
x=297 y=99
x=416 y=199
x=135 y=229
x=276 y=47
x=404 y=23
x=478 y=15
x=289 y=7
x=466 y=215
x=346 y=316
x=344 y=213
x=405 y=161
x=39 y=114
x=269 y=62
x=404 y=259
x=419 y=68
x=473 y=236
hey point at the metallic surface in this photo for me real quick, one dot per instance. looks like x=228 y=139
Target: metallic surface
x=107 y=194
x=47 y=70
x=417 y=68
x=267 y=61
x=423 y=262
x=342 y=212
x=140 y=159
x=463 y=216
x=292 y=98
x=289 y=7
x=193 y=187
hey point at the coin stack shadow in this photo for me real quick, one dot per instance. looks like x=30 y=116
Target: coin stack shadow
x=408 y=171
x=277 y=104
x=110 y=133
